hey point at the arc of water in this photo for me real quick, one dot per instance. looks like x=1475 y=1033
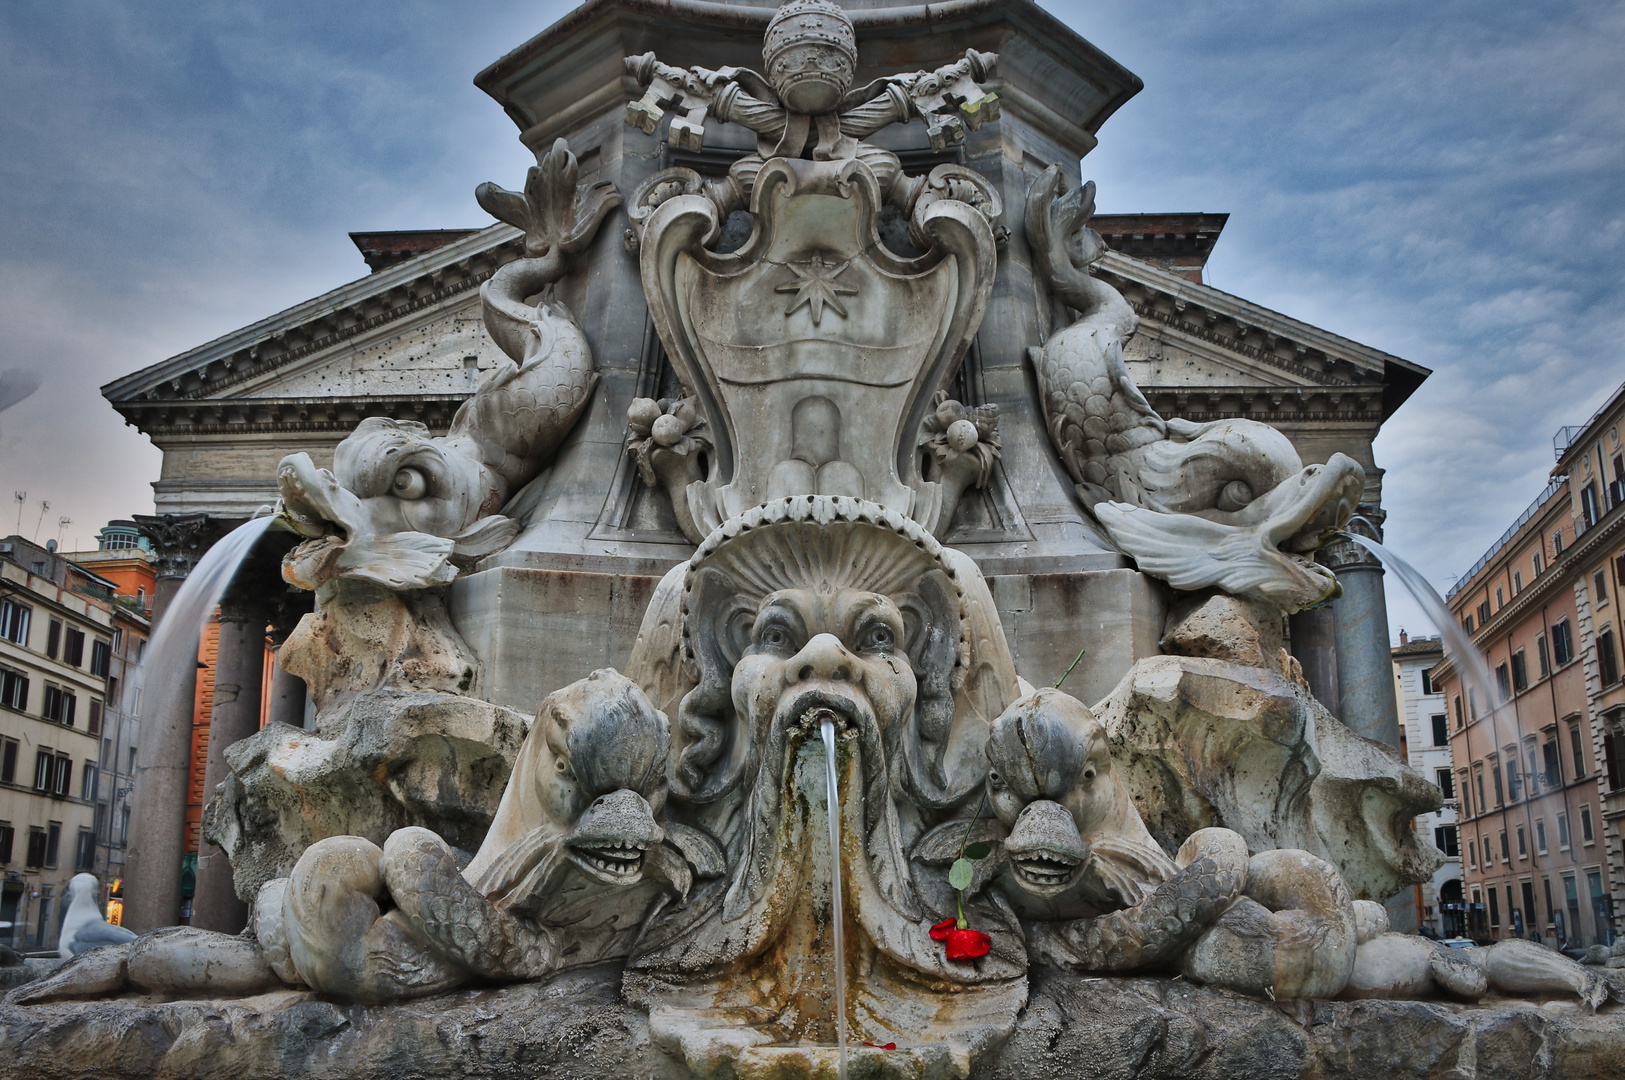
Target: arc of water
x=175 y=642
x=827 y=730
x=1458 y=643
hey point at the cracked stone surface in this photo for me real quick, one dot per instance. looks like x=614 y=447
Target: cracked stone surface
x=578 y=1025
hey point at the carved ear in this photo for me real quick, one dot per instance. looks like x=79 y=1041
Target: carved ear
x=712 y=746
x=931 y=618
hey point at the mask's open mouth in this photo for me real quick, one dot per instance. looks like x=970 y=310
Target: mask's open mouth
x=609 y=861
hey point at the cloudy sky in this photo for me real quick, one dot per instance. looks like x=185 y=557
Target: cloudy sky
x=1441 y=181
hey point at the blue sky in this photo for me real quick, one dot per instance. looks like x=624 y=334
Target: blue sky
x=1442 y=181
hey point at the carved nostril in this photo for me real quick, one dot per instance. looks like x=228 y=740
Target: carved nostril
x=805 y=673
x=841 y=674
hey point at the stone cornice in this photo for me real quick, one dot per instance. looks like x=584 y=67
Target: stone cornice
x=322 y=322
x=237 y=416
x=1558 y=575
x=1269 y=404
x=1204 y=313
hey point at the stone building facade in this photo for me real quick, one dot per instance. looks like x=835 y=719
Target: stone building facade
x=1436 y=904
x=57 y=632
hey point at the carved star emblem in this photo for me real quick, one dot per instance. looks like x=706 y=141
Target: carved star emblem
x=815 y=286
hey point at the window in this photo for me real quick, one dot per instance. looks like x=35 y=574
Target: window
x=1471 y=850
x=1506 y=849
x=1472 y=704
x=1586 y=835
x=1563 y=832
x=1489 y=858
x=1590 y=510
x=14 y=621
x=103 y=822
x=1484 y=613
x=1478 y=780
x=132 y=761
x=105 y=758
x=87 y=781
x=64 y=776
x=1540 y=564
x=1446 y=782
x=1523 y=844
x=36 y=848
x=59 y=705
x=1619 y=571
x=124 y=825
x=1459 y=719
x=1517 y=582
x=1520 y=672
x=85 y=857
x=1534 y=774
x=53 y=842
x=1427 y=682
x=1514 y=780
x=1503 y=684
x=1467 y=623
x=1540 y=655
x=73 y=649
x=1530 y=915
x=1500 y=598
x=8 y=761
x=6 y=834
x=118 y=639
x=1495 y=909
x=1557 y=543
x=101 y=657
x=53 y=638
x=13 y=689
x=1562 y=643
x=1554 y=765
x=1599 y=589
x=1540 y=835
x=44 y=770
x=1444 y=838
x=1607 y=658
x=1466 y=806
x=1441 y=732
x=1611 y=760
x=1578 y=748
x=94 y=724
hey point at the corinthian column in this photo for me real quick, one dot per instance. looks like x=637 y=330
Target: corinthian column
x=152 y=874
x=1365 y=664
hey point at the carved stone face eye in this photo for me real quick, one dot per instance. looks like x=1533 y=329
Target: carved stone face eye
x=994 y=780
x=1089 y=771
x=409 y=484
x=773 y=638
x=877 y=638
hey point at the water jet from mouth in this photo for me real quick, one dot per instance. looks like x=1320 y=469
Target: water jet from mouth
x=826 y=728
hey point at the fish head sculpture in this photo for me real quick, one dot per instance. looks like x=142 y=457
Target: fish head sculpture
x=1076 y=844
x=600 y=775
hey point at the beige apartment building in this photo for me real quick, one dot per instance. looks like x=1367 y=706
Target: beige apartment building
x=56 y=648
x=1536 y=775
x=1593 y=457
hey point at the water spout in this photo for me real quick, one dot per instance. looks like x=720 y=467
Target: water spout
x=1458 y=643
x=173 y=648
x=827 y=730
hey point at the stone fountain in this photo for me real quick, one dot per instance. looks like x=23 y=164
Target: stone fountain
x=634 y=871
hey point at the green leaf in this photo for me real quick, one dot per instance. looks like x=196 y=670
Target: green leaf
x=959 y=874
x=978 y=850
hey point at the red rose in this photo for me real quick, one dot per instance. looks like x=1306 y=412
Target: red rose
x=963 y=944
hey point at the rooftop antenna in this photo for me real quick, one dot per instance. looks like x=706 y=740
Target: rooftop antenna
x=21 y=497
x=44 y=506
x=62 y=524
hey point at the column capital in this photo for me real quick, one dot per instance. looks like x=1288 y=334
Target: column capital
x=1346 y=555
x=180 y=540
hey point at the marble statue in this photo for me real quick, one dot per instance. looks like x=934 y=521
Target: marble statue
x=401 y=511
x=1226 y=504
x=817 y=813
